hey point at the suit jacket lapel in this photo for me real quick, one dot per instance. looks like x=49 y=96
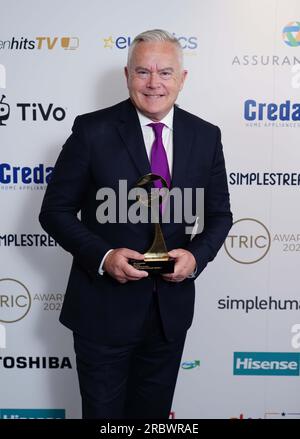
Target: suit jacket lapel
x=130 y=130
x=182 y=144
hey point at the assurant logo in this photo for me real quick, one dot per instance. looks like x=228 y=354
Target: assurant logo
x=266 y=363
x=291 y=34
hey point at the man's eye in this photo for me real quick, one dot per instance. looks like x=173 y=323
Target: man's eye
x=142 y=72
x=165 y=74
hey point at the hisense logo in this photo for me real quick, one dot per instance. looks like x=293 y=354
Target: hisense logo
x=32 y=413
x=266 y=363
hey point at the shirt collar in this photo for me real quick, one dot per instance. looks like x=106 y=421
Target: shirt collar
x=167 y=120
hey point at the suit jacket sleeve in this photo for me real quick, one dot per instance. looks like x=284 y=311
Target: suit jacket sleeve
x=63 y=200
x=217 y=214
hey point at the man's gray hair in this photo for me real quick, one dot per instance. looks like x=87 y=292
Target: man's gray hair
x=154 y=35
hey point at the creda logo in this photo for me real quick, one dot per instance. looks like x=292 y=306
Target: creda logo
x=26 y=175
x=266 y=363
x=259 y=111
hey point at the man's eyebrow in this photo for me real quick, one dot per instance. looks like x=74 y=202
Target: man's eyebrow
x=170 y=69
x=141 y=68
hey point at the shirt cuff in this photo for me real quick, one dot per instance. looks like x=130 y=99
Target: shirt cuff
x=101 y=271
x=192 y=275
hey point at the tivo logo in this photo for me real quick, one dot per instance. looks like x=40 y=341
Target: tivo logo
x=266 y=363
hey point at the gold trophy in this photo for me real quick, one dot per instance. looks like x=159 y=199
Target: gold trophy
x=156 y=259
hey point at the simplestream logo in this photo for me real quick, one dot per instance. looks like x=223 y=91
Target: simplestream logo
x=32 y=413
x=266 y=363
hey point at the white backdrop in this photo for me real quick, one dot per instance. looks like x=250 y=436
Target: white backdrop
x=59 y=59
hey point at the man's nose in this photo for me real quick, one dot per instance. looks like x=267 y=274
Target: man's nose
x=154 y=80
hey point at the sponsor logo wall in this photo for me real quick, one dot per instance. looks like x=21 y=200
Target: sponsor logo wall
x=245 y=340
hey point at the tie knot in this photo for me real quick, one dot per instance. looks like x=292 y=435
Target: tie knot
x=157 y=127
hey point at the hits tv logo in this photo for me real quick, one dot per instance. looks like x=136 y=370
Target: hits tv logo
x=40 y=43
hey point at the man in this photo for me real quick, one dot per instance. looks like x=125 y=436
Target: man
x=130 y=327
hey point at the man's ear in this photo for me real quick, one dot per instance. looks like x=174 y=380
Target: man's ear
x=126 y=72
x=183 y=78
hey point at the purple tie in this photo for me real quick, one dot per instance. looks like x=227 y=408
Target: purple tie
x=159 y=160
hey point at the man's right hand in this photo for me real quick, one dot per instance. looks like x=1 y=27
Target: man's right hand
x=116 y=265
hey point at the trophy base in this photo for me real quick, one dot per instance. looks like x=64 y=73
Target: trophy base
x=154 y=267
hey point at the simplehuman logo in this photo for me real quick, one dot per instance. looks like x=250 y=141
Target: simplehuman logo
x=32 y=413
x=266 y=363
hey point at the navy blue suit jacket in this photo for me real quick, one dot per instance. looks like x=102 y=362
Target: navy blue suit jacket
x=107 y=146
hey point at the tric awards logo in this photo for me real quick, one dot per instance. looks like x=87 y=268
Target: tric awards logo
x=248 y=241
x=15 y=300
x=291 y=34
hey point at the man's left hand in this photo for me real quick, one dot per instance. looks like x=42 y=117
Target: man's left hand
x=185 y=264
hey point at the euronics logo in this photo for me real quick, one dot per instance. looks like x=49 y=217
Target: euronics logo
x=32 y=413
x=266 y=363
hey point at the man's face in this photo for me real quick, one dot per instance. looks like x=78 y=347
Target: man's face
x=155 y=77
